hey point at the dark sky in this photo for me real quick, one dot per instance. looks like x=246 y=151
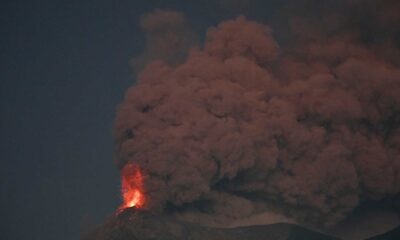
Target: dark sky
x=64 y=68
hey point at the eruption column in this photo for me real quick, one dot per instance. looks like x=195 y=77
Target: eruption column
x=132 y=187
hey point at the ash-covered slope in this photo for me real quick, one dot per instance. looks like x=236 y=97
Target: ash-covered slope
x=393 y=234
x=139 y=225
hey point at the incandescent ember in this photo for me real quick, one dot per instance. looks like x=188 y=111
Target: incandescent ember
x=132 y=187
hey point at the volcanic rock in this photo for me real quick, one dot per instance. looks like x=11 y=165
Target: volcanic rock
x=132 y=224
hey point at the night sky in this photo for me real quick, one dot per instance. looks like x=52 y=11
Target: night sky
x=64 y=68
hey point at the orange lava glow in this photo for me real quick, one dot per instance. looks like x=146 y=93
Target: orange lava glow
x=132 y=187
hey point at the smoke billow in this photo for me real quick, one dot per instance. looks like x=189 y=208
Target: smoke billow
x=312 y=125
x=168 y=37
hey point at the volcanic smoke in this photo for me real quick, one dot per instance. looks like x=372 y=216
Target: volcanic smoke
x=311 y=126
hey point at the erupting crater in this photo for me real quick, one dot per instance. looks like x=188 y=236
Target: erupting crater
x=132 y=187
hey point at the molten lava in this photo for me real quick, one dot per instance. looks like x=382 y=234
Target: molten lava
x=132 y=187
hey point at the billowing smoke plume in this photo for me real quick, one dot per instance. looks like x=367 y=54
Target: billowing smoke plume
x=313 y=125
x=168 y=38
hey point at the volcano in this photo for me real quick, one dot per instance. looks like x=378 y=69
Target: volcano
x=133 y=224
x=251 y=124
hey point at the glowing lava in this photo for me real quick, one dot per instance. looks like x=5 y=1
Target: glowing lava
x=132 y=187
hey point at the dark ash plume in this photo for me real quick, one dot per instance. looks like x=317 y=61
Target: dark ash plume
x=168 y=38
x=313 y=126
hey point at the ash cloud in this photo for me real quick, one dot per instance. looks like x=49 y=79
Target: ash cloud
x=168 y=37
x=311 y=124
